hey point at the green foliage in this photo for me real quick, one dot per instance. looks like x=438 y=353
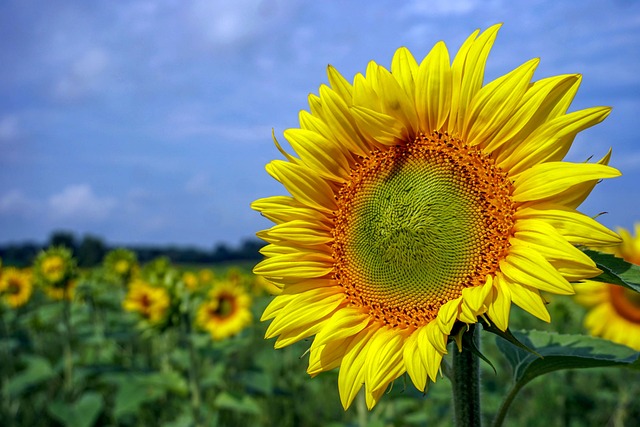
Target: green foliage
x=81 y=413
x=87 y=362
x=616 y=270
x=550 y=352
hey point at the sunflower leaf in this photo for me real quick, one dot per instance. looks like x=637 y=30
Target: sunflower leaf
x=508 y=336
x=615 y=270
x=557 y=352
x=560 y=351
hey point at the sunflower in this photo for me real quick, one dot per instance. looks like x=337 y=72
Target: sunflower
x=614 y=311
x=55 y=271
x=226 y=311
x=151 y=302
x=54 y=266
x=190 y=280
x=122 y=263
x=16 y=286
x=420 y=198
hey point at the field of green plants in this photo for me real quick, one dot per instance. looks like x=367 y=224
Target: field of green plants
x=158 y=344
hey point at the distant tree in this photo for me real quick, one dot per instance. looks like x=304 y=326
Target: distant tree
x=222 y=253
x=91 y=251
x=63 y=238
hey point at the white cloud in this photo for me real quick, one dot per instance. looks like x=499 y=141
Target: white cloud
x=84 y=74
x=16 y=202
x=79 y=202
x=226 y=23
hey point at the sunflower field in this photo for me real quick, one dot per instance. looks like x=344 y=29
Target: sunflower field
x=125 y=344
x=428 y=266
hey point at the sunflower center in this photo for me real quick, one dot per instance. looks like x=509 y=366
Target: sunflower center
x=15 y=286
x=225 y=306
x=418 y=223
x=626 y=302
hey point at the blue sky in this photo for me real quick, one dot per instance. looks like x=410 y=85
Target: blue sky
x=150 y=121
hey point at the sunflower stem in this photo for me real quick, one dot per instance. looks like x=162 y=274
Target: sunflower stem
x=466 y=383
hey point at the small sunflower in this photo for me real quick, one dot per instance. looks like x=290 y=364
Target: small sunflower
x=16 y=286
x=122 y=263
x=226 y=311
x=151 y=302
x=55 y=270
x=54 y=266
x=190 y=280
x=614 y=311
x=420 y=198
x=206 y=276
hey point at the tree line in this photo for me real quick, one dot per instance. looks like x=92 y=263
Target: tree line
x=90 y=250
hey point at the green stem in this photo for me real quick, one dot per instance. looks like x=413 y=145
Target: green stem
x=504 y=408
x=68 y=351
x=466 y=384
x=194 y=378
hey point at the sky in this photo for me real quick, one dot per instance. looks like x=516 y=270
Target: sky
x=149 y=121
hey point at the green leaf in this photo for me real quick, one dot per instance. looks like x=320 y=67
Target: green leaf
x=82 y=413
x=615 y=270
x=559 y=351
x=136 y=389
x=556 y=352
x=242 y=404
x=37 y=370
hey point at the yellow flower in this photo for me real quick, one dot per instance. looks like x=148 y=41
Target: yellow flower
x=54 y=266
x=614 y=311
x=226 y=311
x=15 y=286
x=205 y=276
x=151 y=302
x=190 y=280
x=121 y=262
x=421 y=198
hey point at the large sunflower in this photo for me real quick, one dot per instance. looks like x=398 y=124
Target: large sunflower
x=226 y=312
x=419 y=198
x=614 y=311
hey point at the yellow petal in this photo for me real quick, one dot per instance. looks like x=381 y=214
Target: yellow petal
x=552 y=140
x=351 y=373
x=328 y=356
x=475 y=297
x=537 y=104
x=447 y=315
x=380 y=127
x=384 y=359
x=577 y=228
x=468 y=74
x=414 y=363
x=319 y=153
x=344 y=323
x=303 y=184
x=528 y=299
x=435 y=336
x=433 y=89
x=500 y=305
x=526 y=266
x=574 y=196
x=405 y=68
x=548 y=179
x=495 y=102
x=339 y=84
x=304 y=309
